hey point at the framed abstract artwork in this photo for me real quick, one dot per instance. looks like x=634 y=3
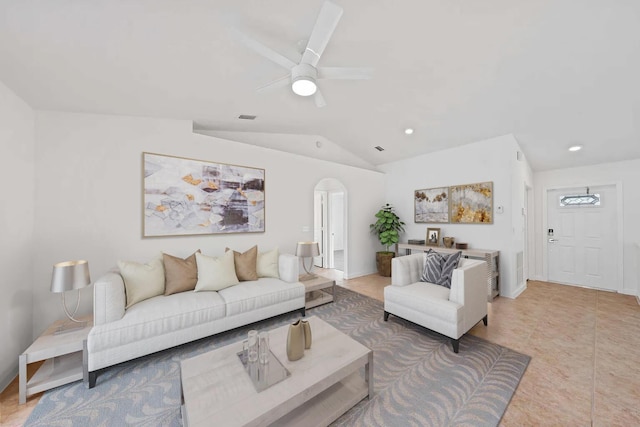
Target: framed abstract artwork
x=431 y=205
x=471 y=203
x=193 y=197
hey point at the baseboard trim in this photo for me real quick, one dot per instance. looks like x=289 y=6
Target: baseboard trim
x=359 y=274
x=516 y=293
x=10 y=375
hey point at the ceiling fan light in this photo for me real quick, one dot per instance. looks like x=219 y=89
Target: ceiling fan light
x=304 y=86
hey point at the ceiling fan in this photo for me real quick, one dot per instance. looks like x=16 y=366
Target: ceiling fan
x=304 y=72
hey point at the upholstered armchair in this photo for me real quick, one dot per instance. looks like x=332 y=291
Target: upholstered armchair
x=450 y=312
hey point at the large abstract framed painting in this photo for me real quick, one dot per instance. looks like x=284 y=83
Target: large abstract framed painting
x=192 y=197
x=431 y=205
x=471 y=203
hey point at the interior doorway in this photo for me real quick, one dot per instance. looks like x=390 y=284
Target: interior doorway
x=330 y=226
x=583 y=236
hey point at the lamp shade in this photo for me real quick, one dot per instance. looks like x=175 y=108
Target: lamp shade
x=307 y=249
x=70 y=275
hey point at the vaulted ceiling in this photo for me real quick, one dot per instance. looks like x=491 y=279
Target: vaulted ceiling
x=553 y=73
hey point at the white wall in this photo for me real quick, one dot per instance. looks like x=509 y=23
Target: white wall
x=89 y=189
x=627 y=174
x=17 y=170
x=489 y=160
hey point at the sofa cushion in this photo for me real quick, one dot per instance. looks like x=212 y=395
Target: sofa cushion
x=248 y=296
x=267 y=264
x=438 y=267
x=215 y=274
x=158 y=316
x=245 y=264
x=142 y=281
x=425 y=298
x=432 y=267
x=180 y=275
x=450 y=263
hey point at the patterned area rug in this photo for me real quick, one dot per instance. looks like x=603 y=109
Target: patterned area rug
x=418 y=379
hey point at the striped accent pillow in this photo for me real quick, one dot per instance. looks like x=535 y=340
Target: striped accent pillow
x=449 y=263
x=432 y=267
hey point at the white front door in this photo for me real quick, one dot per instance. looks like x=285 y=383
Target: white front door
x=582 y=238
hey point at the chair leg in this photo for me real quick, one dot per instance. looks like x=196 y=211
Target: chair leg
x=303 y=311
x=485 y=319
x=386 y=316
x=93 y=376
x=456 y=345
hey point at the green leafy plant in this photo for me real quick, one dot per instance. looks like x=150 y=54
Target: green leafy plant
x=387 y=227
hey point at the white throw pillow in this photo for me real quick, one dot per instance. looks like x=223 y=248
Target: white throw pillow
x=142 y=281
x=215 y=274
x=267 y=264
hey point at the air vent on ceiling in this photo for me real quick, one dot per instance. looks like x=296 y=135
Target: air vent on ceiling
x=379 y=148
x=246 y=117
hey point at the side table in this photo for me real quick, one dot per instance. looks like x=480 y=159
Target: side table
x=63 y=359
x=318 y=292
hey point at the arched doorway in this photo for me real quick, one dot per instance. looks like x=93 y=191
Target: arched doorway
x=330 y=225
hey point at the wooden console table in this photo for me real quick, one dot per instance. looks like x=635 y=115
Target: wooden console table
x=491 y=257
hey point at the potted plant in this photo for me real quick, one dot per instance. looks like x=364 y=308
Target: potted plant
x=387 y=228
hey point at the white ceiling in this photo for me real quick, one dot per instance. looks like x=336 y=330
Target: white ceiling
x=551 y=72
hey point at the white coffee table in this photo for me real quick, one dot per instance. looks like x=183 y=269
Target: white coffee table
x=323 y=385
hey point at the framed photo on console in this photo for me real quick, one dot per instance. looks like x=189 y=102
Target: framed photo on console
x=433 y=236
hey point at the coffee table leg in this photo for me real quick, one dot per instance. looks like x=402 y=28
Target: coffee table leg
x=368 y=374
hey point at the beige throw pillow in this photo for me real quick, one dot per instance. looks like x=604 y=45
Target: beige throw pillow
x=180 y=274
x=142 y=281
x=267 y=264
x=246 y=264
x=215 y=274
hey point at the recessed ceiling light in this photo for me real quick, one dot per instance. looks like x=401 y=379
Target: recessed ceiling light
x=408 y=131
x=575 y=148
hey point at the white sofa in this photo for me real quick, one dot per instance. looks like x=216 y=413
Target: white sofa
x=163 y=322
x=450 y=312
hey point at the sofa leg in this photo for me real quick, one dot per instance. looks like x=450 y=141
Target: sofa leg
x=92 y=378
x=485 y=319
x=303 y=311
x=456 y=345
x=386 y=316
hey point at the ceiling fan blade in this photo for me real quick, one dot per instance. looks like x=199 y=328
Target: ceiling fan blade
x=345 y=73
x=325 y=25
x=263 y=50
x=277 y=83
x=319 y=99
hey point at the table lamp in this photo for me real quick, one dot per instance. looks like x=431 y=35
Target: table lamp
x=307 y=250
x=69 y=276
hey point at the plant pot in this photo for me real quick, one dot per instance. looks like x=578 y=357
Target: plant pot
x=383 y=263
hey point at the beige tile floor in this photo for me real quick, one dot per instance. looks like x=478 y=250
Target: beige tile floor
x=584 y=345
